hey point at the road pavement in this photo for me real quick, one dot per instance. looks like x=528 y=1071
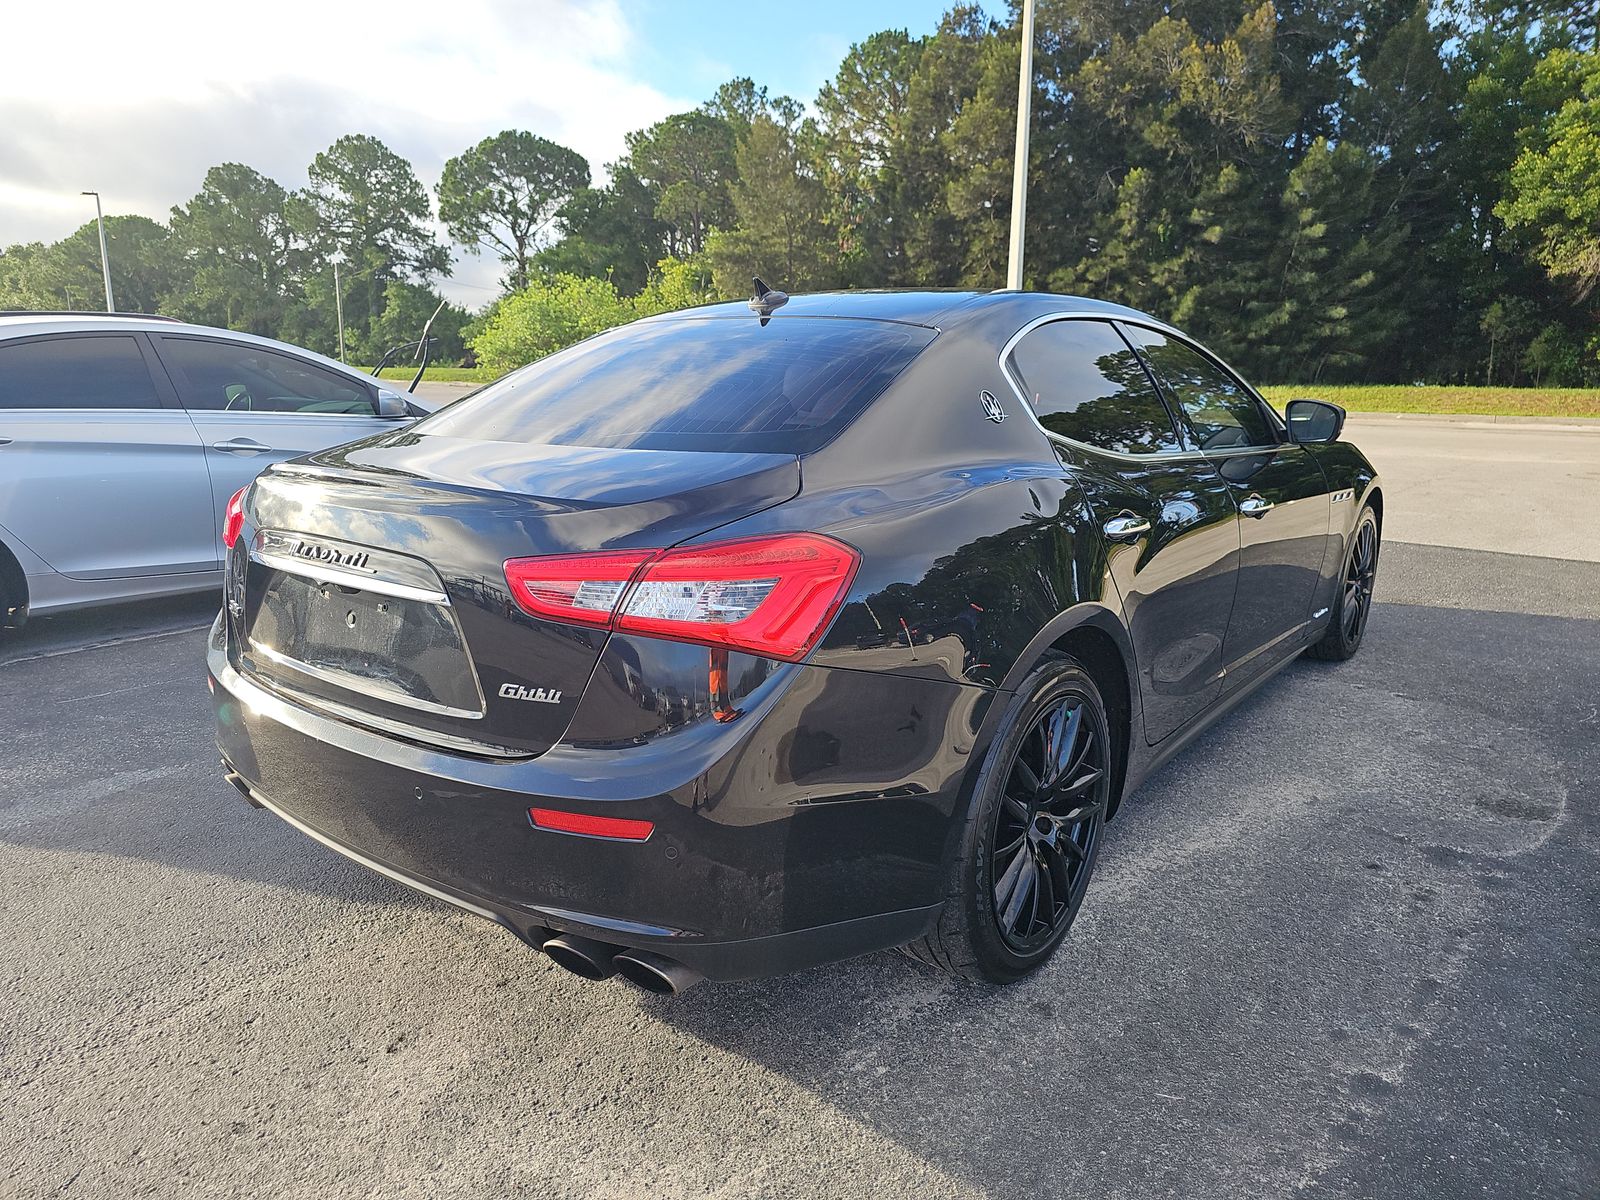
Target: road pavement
x=1519 y=489
x=1345 y=945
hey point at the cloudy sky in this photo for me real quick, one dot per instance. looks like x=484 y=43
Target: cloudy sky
x=151 y=95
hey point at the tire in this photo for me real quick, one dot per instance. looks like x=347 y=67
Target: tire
x=1022 y=853
x=1354 y=606
x=13 y=609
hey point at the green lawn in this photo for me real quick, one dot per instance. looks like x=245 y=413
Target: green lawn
x=1475 y=401
x=1384 y=398
x=435 y=374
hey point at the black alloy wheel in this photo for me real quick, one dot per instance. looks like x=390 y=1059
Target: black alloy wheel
x=1047 y=826
x=1354 y=606
x=1032 y=834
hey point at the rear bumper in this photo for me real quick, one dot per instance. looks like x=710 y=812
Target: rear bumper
x=767 y=855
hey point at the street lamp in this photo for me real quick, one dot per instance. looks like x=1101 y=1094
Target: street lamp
x=338 y=306
x=105 y=257
x=1019 y=166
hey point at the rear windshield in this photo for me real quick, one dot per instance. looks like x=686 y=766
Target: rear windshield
x=695 y=384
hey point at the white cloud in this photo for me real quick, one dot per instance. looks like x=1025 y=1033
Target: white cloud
x=138 y=100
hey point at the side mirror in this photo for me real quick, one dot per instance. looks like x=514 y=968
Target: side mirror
x=392 y=405
x=1314 y=421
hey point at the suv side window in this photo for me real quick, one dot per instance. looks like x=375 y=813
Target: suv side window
x=1087 y=384
x=239 y=377
x=93 y=371
x=1222 y=412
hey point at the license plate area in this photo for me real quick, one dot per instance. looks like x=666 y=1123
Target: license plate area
x=357 y=626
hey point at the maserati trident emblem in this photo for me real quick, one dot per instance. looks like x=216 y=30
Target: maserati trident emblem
x=991 y=407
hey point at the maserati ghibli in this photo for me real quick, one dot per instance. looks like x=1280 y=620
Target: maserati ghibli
x=751 y=637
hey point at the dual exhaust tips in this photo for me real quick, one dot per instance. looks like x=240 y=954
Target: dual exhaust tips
x=598 y=960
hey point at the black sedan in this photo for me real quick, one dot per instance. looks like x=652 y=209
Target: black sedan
x=747 y=638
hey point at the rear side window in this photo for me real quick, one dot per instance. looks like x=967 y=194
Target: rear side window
x=102 y=371
x=1221 y=410
x=1087 y=384
x=786 y=386
x=240 y=377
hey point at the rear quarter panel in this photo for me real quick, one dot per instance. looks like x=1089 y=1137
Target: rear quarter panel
x=972 y=533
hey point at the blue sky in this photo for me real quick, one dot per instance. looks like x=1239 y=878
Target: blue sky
x=149 y=106
x=691 y=47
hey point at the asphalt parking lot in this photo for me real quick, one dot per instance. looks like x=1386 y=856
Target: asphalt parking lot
x=1346 y=945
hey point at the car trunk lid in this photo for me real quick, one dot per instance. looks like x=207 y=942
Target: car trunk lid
x=372 y=582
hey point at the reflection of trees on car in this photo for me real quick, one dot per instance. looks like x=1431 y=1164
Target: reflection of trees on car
x=986 y=595
x=1119 y=417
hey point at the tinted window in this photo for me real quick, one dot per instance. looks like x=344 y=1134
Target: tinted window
x=709 y=384
x=75 y=372
x=1085 y=383
x=238 y=377
x=1219 y=408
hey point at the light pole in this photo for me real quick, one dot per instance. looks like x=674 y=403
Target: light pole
x=105 y=257
x=1019 y=167
x=338 y=306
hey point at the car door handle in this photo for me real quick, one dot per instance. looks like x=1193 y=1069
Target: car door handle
x=1254 y=506
x=1125 y=527
x=240 y=445
x=5 y=441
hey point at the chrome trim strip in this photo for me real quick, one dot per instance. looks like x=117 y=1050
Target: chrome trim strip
x=354 y=683
x=366 y=583
x=388 y=872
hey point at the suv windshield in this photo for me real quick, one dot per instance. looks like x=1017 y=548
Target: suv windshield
x=787 y=386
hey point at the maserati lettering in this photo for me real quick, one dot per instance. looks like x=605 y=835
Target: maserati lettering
x=353 y=560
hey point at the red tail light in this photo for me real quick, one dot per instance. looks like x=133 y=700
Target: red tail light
x=621 y=828
x=233 y=518
x=578 y=588
x=772 y=596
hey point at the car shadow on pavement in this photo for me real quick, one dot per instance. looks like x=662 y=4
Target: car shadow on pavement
x=1310 y=936
x=1287 y=922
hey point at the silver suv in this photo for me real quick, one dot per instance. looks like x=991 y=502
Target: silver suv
x=123 y=437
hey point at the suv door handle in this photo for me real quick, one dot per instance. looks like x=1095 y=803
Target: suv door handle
x=1254 y=506
x=240 y=445
x=1126 y=526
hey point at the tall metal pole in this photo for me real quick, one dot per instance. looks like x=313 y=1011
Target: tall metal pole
x=338 y=306
x=1019 y=167
x=105 y=256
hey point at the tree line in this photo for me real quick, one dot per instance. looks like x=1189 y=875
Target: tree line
x=1323 y=190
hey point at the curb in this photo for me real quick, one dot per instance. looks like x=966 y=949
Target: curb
x=1569 y=424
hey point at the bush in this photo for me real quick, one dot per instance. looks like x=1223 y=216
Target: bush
x=550 y=314
x=545 y=316
x=406 y=310
x=675 y=283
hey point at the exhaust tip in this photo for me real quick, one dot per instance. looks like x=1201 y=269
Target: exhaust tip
x=654 y=972
x=238 y=782
x=581 y=956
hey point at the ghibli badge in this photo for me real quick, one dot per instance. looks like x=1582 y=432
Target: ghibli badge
x=515 y=691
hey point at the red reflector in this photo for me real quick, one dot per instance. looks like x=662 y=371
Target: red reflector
x=233 y=518
x=601 y=827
